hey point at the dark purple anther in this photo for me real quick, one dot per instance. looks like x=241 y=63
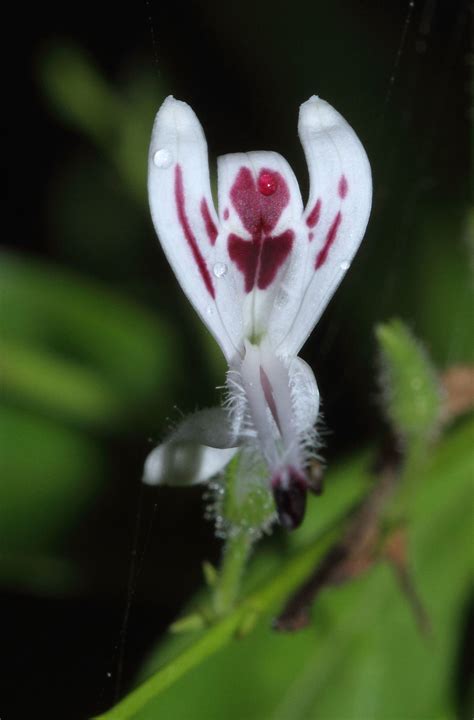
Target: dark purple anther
x=289 y=491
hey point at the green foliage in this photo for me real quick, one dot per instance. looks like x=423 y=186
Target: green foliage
x=81 y=94
x=76 y=350
x=50 y=477
x=118 y=122
x=411 y=388
x=76 y=359
x=49 y=474
x=363 y=638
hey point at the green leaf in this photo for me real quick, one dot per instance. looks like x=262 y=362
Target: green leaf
x=79 y=93
x=57 y=386
x=50 y=475
x=411 y=389
x=118 y=122
x=79 y=350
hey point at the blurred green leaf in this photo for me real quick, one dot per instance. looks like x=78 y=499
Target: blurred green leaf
x=77 y=349
x=142 y=95
x=56 y=385
x=80 y=94
x=409 y=382
x=95 y=224
x=49 y=476
x=119 y=123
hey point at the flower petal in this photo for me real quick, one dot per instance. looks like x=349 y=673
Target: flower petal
x=277 y=408
x=281 y=406
x=305 y=398
x=335 y=220
x=196 y=451
x=259 y=209
x=184 y=216
x=180 y=464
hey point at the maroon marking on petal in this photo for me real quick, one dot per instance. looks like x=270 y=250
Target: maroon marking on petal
x=259 y=257
x=267 y=182
x=188 y=233
x=257 y=212
x=226 y=214
x=274 y=252
x=208 y=222
x=244 y=253
x=330 y=237
x=246 y=200
x=343 y=187
x=310 y=236
x=313 y=217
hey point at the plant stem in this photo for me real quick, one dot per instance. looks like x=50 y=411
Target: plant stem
x=416 y=457
x=236 y=553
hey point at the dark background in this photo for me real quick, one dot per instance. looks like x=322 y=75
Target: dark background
x=399 y=75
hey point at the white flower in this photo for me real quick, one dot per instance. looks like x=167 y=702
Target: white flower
x=260 y=272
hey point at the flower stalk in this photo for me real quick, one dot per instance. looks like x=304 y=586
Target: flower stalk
x=244 y=509
x=236 y=553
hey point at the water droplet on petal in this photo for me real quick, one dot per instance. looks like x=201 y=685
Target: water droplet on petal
x=345 y=265
x=162 y=159
x=209 y=310
x=219 y=269
x=267 y=182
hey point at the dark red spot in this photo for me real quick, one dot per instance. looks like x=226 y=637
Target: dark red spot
x=313 y=217
x=267 y=182
x=208 y=222
x=226 y=214
x=330 y=237
x=259 y=257
x=188 y=234
x=343 y=187
x=310 y=236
